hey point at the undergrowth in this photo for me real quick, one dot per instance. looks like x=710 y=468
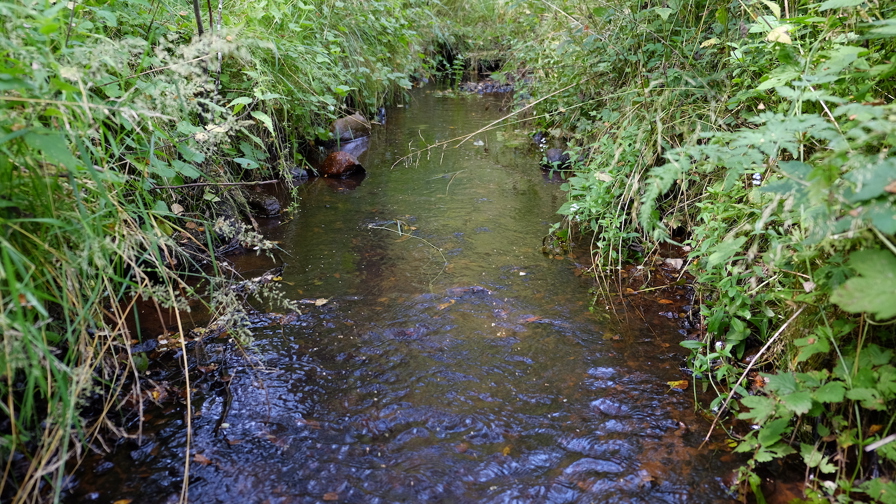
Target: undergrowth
x=125 y=131
x=758 y=136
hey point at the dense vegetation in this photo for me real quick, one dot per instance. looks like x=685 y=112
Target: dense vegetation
x=758 y=135
x=124 y=127
x=755 y=134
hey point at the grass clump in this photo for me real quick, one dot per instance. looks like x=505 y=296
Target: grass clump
x=759 y=137
x=126 y=129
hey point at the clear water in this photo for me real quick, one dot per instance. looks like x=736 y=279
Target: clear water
x=452 y=362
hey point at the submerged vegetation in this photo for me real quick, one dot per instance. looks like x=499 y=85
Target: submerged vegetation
x=756 y=135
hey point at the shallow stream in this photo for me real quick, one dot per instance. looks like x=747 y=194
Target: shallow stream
x=439 y=356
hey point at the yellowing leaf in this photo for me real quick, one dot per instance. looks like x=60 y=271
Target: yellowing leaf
x=201 y=459
x=678 y=385
x=709 y=43
x=779 y=35
x=506 y=450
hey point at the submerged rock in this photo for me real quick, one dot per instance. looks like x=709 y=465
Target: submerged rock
x=556 y=158
x=263 y=205
x=350 y=128
x=341 y=164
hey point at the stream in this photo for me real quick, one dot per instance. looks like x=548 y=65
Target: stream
x=439 y=356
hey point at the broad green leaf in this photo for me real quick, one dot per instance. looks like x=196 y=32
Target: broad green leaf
x=53 y=147
x=242 y=100
x=266 y=119
x=798 y=402
x=831 y=392
x=874 y=289
x=161 y=168
x=724 y=251
x=185 y=169
x=771 y=432
x=838 y=4
x=868 y=397
x=782 y=383
x=664 y=12
x=774 y=7
x=761 y=407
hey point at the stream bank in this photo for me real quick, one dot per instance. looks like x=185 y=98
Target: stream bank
x=439 y=355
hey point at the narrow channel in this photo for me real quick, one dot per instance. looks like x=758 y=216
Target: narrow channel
x=439 y=356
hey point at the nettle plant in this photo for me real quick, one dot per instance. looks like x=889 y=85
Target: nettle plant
x=799 y=211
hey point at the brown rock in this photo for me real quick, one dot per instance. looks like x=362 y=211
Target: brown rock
x=350 y=128
x=341 y=164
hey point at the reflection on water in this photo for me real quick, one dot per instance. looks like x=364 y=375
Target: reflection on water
x=450 y=362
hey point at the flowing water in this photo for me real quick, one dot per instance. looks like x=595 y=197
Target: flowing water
x=439 y=356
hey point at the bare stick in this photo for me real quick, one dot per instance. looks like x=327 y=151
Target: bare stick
x=219 y=184
x=744 y=375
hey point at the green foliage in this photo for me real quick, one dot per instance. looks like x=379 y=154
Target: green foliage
x=760 y=137
x=108 y=112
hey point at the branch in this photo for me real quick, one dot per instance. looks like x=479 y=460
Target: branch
x=218 y=184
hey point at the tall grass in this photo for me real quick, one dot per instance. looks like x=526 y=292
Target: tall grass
x=109 y=110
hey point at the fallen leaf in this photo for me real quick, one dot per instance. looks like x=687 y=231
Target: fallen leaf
x=321 y=301
x=177 y=209
x=678 y=385
x=531 y=318
x=461 y=448
x=891 y=187
x=331 y=496
x=201 y=459
x=675 y=263
x=506 y=450
x=665 y=301
x=122 y=501
x=190 y=225
x=446 y=305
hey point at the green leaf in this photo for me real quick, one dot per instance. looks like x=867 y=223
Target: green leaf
x=725 y=250
x=839 y=4
x=771 y=432
x=810 y=346
x=761 y=408
x=781 y=384
x=880 y=490
x=798 y=402
x=831 y=392
x=664 y=12
x=868 y=397
x=185 y=169
x=874 y=290
x=266 y=119
x=53 y=147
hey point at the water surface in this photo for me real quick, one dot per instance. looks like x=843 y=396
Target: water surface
x=445 y=359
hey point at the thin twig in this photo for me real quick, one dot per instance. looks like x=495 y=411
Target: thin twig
x=219 y=184
x=744 y=375
x=464 y=138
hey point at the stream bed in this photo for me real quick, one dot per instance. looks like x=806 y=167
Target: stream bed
x=439 y=355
